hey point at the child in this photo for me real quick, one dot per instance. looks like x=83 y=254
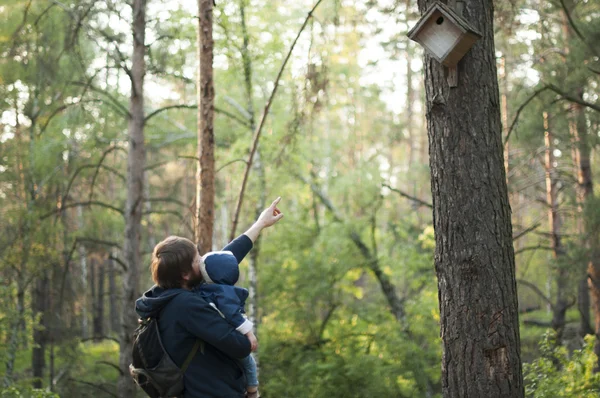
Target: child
x=220 y=271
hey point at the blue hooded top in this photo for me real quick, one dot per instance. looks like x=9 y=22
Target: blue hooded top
x=185 y=316
x=221 y=271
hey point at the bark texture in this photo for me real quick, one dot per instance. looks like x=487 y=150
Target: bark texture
x=135 y=200
x=474 y=256
x=205 y=192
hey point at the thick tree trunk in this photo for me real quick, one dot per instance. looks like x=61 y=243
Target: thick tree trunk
x=135 y=198
x=474 y=256
x=560 y=306
x=205 y=192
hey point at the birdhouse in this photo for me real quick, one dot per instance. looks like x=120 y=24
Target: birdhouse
x=444 y=34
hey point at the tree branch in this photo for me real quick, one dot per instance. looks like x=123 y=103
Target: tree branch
x=228 y=163
x=83 y=204
x=104 y=155
x=537 y=291
x=262 y=123
x=573 y=98
x=174 y=213
x=236 y=105
x=100 y=338
x=528 y=248
x=523 y=105
x=194 y=106
x=98 y=241
x=576 y=29
x=112 y=365
x=65 y=195
x=166 y=108
x=388 y=288
x=118 y=261
x=526 y=231
x=15 y=34
x=533 y=322
x=414 y=199
x=120 y=108
x=99 y=387
x=166 y=199
x=62 y=108
x=159 y=164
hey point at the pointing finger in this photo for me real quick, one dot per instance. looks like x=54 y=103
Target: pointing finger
x=275 y=202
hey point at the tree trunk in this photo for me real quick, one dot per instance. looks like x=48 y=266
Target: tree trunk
x=112 y=296
x=585 y=196
x=38 y=353
x=99 y=267
x=205 y=191
x=18 y=318
x=474 y=256
x=135 y=198
x=92 y=293
x=259 y=169
x=504 y=113
x=84 y=285
x=559 y=308
x=410 y=99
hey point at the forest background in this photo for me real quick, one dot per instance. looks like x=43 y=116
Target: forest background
x=344 y=145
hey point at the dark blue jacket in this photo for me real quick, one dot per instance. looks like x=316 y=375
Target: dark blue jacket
x=185 y=316
x=221 y=271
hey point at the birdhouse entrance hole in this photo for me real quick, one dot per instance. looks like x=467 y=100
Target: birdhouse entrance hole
x=440 y=37
x=444 y=33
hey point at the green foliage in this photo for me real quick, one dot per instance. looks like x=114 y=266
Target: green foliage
x=26 y=392
x=560 y=374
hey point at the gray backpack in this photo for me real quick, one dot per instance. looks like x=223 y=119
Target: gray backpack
x=152 y=369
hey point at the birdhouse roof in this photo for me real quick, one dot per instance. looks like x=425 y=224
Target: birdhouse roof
x=449 y=13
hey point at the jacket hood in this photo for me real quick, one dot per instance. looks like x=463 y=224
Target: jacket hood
x=154 y=300
x=220 y=267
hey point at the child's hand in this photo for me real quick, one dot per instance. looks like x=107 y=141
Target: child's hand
x=253 y=341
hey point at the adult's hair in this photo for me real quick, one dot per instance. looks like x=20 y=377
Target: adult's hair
x=171 y=259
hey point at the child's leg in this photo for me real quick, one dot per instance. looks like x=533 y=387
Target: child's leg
x=249 y=367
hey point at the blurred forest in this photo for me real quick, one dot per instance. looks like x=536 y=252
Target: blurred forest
x=344 y=289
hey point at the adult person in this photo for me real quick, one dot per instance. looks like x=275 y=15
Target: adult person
x=184 y=316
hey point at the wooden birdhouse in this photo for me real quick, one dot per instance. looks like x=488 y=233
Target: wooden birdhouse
x=444 y=34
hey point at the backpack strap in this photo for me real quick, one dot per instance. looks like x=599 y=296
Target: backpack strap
x=191 y=355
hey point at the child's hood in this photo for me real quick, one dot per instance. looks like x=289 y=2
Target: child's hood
x=220 y=267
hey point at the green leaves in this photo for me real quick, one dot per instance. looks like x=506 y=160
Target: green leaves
x=559 y=373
